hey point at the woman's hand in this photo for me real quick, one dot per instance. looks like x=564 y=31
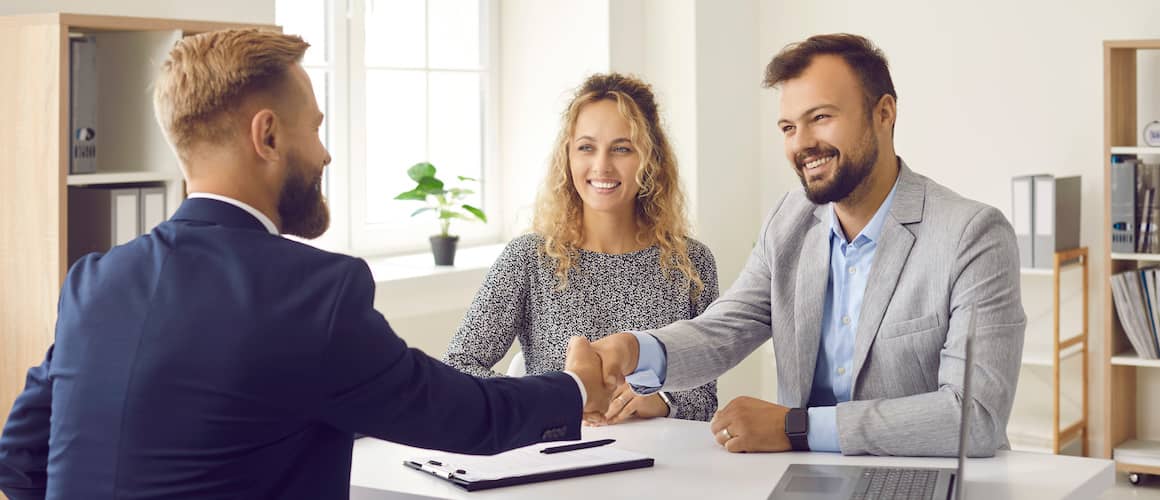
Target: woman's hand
x=626 y=404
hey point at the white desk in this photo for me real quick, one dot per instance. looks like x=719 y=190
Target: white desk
x=690 y=464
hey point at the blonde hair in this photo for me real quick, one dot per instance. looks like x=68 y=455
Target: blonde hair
x=660 y=204
x=207 y=76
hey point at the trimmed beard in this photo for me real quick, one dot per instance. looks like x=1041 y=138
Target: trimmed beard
x=301 y=205
x=852 y=170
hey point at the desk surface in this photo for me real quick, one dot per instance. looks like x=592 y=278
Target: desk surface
x=690 y=464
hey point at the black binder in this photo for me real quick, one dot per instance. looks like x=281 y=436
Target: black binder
x=461 y=477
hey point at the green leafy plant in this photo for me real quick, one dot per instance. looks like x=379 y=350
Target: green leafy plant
x=445 y=201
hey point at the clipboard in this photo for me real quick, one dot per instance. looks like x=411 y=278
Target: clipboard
x=525 y=465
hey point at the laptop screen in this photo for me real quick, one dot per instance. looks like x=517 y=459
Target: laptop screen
x=968 y=367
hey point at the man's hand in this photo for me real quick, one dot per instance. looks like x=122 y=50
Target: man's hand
x=748 y=424
x=584 y=361
x=620 y=353
x=626 y=404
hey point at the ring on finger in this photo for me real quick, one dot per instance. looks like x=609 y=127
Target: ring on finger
x=726 y=434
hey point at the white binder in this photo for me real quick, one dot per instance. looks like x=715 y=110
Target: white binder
x=152 y=208
x=1021 y=219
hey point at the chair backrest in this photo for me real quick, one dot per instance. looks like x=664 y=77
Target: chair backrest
x=518 y=367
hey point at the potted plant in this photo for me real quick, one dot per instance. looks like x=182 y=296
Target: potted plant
x=446 y=202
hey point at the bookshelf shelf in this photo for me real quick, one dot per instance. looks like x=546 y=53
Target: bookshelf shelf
x=1137 y=257
x=121 y=178
x=1041 y=355
x=1135 y=150
x=1130 y=358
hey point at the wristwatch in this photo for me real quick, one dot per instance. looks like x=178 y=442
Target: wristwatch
x=797 y=425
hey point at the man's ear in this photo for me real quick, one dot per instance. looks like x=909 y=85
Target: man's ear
x=263 y=134
x=886 y=112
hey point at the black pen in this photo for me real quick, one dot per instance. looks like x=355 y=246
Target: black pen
x=578 y=446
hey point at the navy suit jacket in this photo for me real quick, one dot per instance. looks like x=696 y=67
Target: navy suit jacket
x=211 y=359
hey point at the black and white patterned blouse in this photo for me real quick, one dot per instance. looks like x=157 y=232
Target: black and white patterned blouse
x=606 y=293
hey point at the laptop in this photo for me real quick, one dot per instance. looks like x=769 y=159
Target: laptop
x=818 y=481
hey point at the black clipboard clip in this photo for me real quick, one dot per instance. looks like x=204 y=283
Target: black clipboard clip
x=436 y=469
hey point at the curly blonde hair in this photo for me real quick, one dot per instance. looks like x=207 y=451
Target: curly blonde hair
x=660 y=204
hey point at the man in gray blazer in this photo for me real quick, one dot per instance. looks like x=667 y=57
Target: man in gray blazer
x=864 y=281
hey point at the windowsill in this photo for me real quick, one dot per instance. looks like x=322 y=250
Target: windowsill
x=421 y=265
x=410 y=286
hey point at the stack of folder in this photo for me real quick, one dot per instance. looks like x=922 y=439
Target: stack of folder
x=1138 y=307
x=1135 y=206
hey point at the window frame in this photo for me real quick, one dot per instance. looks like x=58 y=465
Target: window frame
x=347 y=142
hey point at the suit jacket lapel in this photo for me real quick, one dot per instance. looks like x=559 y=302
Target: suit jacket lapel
x=813 y=273
x=894 y=246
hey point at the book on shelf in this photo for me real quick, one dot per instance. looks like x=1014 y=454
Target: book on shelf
x=1147 y=187
x=1138 y=452
x=1134 y=295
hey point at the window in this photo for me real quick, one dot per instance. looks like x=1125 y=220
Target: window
x=401 y=81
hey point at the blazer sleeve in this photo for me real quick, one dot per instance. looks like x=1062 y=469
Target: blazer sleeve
x=496 y=316
x=985 y=274
x=700 y=403
x=699 y=350
x=375 y=385
x=24 y=443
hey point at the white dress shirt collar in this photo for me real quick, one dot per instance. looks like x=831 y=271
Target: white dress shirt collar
x=242 y=205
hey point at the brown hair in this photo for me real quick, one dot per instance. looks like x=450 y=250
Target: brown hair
x=863 y=57
x=206 y=76
x=660 y=204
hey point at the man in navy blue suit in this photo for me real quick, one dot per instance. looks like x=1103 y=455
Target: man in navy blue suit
x=213 y=358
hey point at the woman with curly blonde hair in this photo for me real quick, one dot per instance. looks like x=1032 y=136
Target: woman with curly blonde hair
x=610 y=251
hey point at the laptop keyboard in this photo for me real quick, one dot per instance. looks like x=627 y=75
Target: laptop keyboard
x=895 y=483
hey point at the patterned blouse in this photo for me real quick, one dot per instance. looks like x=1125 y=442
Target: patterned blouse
x=606 y=293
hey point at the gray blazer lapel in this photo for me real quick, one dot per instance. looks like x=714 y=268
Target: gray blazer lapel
x=894 y=246
x=810 y=298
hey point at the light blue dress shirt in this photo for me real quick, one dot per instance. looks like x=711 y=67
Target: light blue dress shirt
x=834 y=374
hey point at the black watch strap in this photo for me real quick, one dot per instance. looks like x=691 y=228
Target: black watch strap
x=797 y=426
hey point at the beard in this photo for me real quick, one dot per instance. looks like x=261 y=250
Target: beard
x=851 y=171
x=301 y=205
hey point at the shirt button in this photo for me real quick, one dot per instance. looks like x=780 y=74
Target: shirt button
x=845 y=320
x=841 y=370
x=853 y=270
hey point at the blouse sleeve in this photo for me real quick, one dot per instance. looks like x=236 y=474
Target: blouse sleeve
x=497 y=315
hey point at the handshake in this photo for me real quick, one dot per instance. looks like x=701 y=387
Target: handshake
x=602 y=367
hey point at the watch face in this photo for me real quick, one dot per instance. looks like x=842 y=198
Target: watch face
x=795 y=421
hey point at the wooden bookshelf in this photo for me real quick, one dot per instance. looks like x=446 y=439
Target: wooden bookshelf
x=1121 y=364
x=1032 y=427
x=34 y=157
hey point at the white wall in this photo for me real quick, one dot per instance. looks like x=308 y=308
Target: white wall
x=251 y=11
x=547 y=48
x=987 y=90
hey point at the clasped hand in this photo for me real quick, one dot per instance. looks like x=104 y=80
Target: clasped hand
x=602 y=367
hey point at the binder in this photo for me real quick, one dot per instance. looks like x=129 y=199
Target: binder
x=83 y=105
x=1021 y=203
x=152 y=208
x=1123 y=205
x=526 y=465
x=1056 y=217
x=101 y=218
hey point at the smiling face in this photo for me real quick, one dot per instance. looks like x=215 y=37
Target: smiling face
x=830 y=139
x=603 y=160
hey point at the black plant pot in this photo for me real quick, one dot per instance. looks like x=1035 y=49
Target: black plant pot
x=443 y=247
